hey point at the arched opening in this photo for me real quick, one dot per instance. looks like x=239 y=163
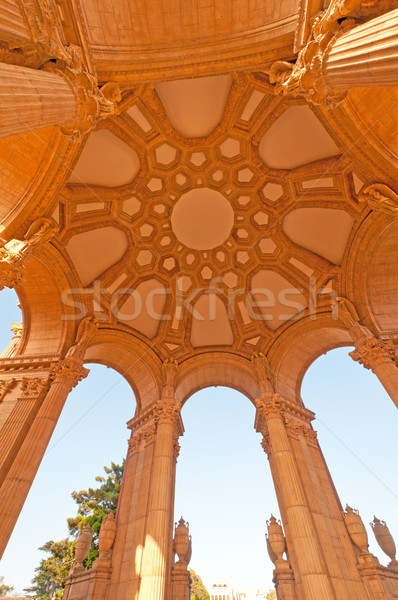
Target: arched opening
x=90 y=433
x=225 y=490
x=356 y=423
x=10 y=312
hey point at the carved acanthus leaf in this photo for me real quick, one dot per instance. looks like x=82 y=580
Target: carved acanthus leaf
x=5 y=387
x=372 y=352
x=69 y=371
x=380 y=197
x=34 y=387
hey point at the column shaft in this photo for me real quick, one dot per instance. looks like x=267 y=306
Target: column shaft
x=31 y=99
x=387 y=372
x=366 y=55
x=309 y=555
x=157 y=536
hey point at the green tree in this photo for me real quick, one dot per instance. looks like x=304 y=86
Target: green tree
x=4 y=589
x=49 y=581
x=93 y=505
x=198 y=590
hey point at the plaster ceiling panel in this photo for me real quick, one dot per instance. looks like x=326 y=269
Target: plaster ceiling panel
x=210 y=324
x=143 y=310
x=324 y=231
x=275 y=299
x=295 y=139
x=106 y=160
x=202 y=219
x=92 y=252
x=195 y=106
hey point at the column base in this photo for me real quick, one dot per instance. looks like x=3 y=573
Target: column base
x=91 y=584
x=283 y=580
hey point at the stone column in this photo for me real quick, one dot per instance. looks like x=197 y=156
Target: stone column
x=308 y=550
x=366 y=55
x=342 y=54
x=58 y=94
x=377 y=355
x=19 y=479
x=158 y=532
x=26 y=439
x=17 y=425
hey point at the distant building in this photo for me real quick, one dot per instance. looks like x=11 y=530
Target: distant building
x=223 y=591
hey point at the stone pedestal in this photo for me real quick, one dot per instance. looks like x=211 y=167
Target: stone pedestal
x=283 y=580
x=88 y=585
x=180 y=582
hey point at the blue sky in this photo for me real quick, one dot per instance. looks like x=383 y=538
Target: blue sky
x=224 y=487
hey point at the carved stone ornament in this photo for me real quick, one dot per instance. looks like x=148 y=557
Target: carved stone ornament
x=14 y=253
x=142 y=438
x=182 y=543
x=276 y=538
x=385 y=540
x=262 y=372
x=372 y=352
x=356 y=528
x=306 y=76
x=34 y=387
x=5 y=387
x=69 y=371
x=93 y=103
x=266 y=444
x=167 y=410
x=169 y=372
x=86 y=331
x=380 y=197
x=16 y=328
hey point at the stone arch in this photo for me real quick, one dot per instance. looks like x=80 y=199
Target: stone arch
x=213 y=369
x=132 y=358
x=372 y=280
x=299 y=346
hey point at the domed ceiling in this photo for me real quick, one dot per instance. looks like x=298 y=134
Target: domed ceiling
x=209 y=212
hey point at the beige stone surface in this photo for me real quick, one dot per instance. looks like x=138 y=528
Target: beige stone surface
x=214 y=232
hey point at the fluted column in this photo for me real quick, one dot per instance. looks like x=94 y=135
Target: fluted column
x=26 y=440
x=62 y=93
x=366 y=55
x=308 y=551
x=16 y=427
x=158 y=531
x=31 y=99
x=341 y=54
x=377 y=355
x=19 y=479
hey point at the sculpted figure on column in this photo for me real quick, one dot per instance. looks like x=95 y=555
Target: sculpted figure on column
x=14 y=253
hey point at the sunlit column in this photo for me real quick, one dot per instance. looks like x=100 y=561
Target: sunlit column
x=20 y=476
x=292 y=498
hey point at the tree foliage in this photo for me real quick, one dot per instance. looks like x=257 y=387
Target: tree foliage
x=93 y=505
x=4 y=589
x=49 y=581
x=198 y=590
x=271 y=595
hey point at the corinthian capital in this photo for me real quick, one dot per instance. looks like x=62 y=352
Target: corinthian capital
x=5 y=387
x=93 y=103
x=69 y=371
x=167 y=410
x=380 y=197
x=372 y=352
x=14 y=253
